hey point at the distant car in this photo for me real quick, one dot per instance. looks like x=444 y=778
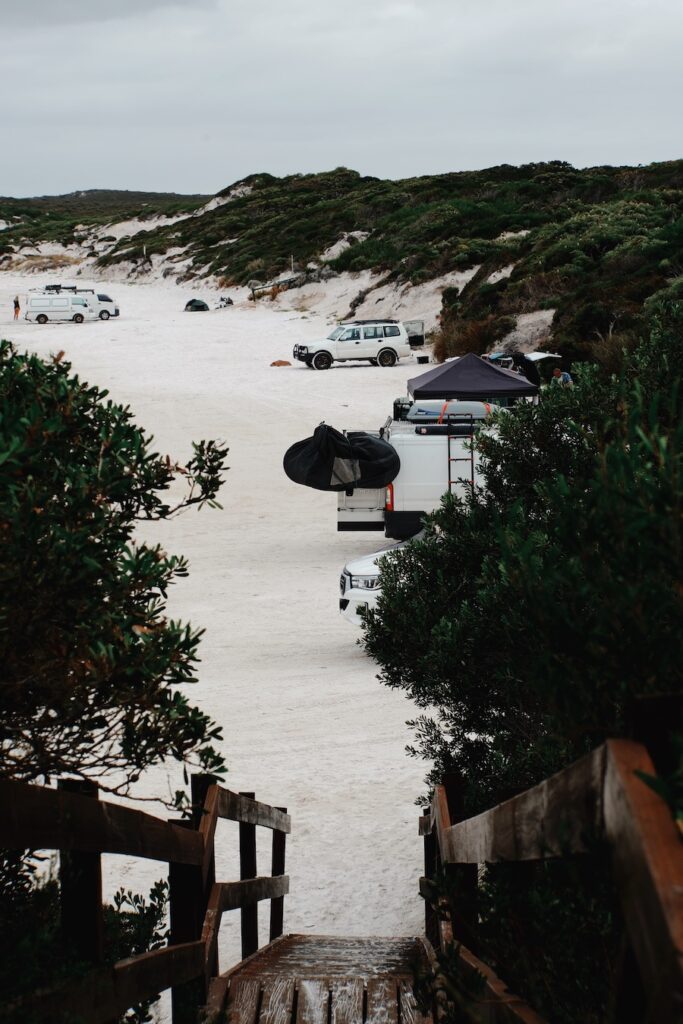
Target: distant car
x=381 y=342
x=196 y=306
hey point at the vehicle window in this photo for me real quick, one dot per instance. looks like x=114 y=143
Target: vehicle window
x=391 y=331
x=79 y=302
x=335 y=334
x=104 y=298
x=372 y=332
x=352 y=334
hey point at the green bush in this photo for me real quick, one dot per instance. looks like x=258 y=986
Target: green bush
x=92 y=668
x=532 y=616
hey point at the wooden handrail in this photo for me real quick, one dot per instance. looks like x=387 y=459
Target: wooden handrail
x=648 y=860
x=41 y=818
x=550 y=820
x=602 y=796
x=237 y=807
x=235 y=895
x=104 y=993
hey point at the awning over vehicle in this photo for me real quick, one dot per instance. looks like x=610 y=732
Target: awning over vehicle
x=470 y=377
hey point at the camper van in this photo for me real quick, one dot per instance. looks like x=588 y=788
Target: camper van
x=433 y=441
x=47 y=307
x=103 y=304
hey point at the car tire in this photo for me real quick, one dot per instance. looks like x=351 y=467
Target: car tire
x=104 y=315
x=41 y=319
x=78 y=318
x=373 y=362
x=321 y=361
x=387 y=357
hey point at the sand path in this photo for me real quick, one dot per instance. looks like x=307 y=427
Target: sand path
x=306 y=723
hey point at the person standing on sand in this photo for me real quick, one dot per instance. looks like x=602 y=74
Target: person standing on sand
x=17 y=307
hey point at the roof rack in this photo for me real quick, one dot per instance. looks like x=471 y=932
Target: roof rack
x=381 y=320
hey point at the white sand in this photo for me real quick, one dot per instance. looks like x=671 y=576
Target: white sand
x=306 y=723
x=530 y=332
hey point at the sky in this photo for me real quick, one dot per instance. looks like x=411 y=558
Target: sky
x=190 y=97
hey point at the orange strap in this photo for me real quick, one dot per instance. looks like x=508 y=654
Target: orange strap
x=442 y=413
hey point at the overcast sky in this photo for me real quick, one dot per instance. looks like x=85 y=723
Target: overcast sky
x=189 y=97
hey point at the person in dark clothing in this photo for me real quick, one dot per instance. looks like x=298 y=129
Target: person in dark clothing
x=526 y=367
x=17 y=307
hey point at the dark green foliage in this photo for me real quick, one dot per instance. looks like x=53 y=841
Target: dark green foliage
x=532 y=616
x=57 y=218
x=553 y=930
x=135 y=925
x=33 y=955
x=91 y=666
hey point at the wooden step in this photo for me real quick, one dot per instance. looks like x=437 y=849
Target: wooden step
x=311 y=979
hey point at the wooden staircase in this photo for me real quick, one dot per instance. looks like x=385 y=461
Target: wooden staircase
x=306 y=979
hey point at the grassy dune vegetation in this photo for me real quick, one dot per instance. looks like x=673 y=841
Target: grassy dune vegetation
x=594 y=245
x=64 y=218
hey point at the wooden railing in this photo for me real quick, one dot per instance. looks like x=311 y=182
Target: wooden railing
x=603 y=797
x=72 y=820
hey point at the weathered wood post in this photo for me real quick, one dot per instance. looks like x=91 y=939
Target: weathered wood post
x=188 y=897
x=80 y=880
x=199 y=787
x=463 y=878
x=431 y=862
x=249 y=914
x=277 y=905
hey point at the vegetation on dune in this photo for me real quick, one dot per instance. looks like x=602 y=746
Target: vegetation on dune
x=65 y=218
x=533 y=615
x=592 y=245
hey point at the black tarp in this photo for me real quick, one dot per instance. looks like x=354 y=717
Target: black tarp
x=470 y=377
x=331 y=461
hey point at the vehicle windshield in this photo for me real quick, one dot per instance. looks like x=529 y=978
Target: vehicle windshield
x=335 y=334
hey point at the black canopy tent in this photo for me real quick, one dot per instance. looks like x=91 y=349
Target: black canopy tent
x=470 y=377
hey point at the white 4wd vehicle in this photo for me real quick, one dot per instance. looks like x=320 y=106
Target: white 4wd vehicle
x=360 y=584
x=381 y=342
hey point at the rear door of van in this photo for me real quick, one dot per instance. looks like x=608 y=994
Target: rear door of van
x=362 y=509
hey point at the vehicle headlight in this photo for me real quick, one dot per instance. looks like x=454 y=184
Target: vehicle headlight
x=303 y=348
x=365 y=582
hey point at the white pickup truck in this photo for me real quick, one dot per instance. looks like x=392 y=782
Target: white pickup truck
x=434 y=444
x=360 y=584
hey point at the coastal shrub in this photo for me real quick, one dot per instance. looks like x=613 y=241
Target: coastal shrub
x=546 y=604
x=92 y=667
x=457 y=337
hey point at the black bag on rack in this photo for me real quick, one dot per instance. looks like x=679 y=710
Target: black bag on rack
x=332 y=461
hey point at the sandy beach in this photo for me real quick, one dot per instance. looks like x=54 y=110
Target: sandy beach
x=306 y=723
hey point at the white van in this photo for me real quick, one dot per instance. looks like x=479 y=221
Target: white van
x=44 y=308
x=434 y=444
x=103 y=305
x=381 y=342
